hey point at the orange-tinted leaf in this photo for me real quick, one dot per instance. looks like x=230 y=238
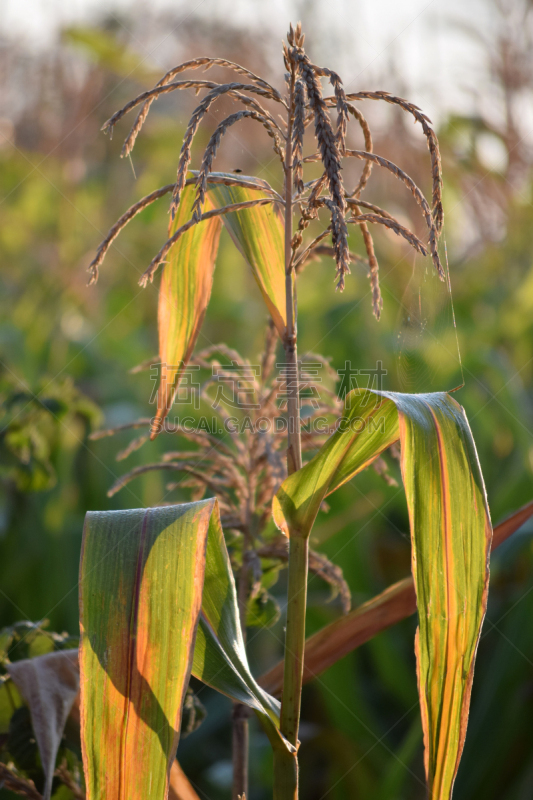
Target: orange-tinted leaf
x=345 y=634
x=141 y=579
x=184 y=294
x=144 y=576
x=451 y=538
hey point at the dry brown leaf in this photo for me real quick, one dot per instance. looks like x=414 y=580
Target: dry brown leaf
x=49 y=685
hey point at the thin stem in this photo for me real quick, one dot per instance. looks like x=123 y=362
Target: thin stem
x=286 y=770
x=294 y=638
x=240 y=745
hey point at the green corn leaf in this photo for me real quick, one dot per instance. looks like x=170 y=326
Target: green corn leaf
x=219 y=654
x=184 y=294
x=259 y=235
x=147 y=578
x=368 y=427
x=451 y=538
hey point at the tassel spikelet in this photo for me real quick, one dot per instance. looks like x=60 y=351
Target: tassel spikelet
x=306 y=108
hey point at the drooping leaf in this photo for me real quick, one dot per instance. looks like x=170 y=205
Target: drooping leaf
x=369 y=425
x=147 y=577
x=219 y=653
x=184 y=294
x=259 y=235
x=397 y=602
x=49 y=685
x=451 y=539
x=141 y=577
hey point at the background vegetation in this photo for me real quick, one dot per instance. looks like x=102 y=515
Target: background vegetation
x=66 y=352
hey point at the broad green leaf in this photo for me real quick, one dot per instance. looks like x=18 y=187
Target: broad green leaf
x=450 y=534
x=147 y=577
x=259 y=235
x=141 y=578
x=184 y=294
x=369 y=425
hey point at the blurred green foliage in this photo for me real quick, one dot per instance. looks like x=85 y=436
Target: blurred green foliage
x=66 y=350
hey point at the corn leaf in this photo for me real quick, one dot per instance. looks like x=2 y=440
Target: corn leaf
x=451 y=539
x=368 y=427
x=146 y=579
x=219 y=653
x=259 y=235
x=184 y=294
x=325 y=647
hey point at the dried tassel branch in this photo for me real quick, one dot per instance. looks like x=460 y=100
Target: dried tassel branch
x=339 y=238
x=144 y=422
x=417 y=194
x=367 y=169
x=134 y=445
x=394 y=225
x=298 y=131
x=373 y=266
x=121 y=223
x=217 y=486
x=195 y=63
x=325 y=136
x=342 y=106
x=192 y=127
x=432 y=141
x=214 y=144
x=371 y=207
x=141 y=204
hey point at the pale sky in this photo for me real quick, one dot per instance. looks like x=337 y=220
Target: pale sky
x=359 y=38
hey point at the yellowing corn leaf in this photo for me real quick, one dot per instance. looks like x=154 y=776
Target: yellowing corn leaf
x=259 y=235
x=451 y=539
x=329 y=644
x=187 y=277
x=145 y=575
x=184 y=294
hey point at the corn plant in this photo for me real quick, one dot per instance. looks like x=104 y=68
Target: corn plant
x=158 y=597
